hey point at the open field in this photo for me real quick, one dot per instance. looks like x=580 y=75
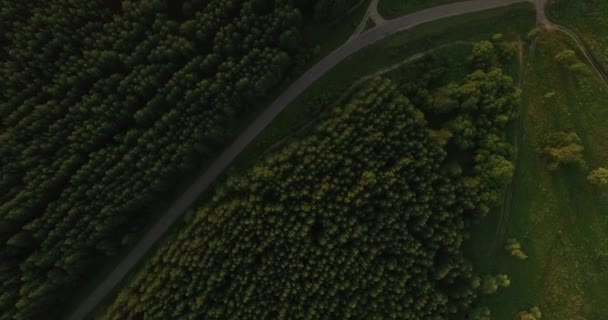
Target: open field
x=395 y=8
x=560 y=220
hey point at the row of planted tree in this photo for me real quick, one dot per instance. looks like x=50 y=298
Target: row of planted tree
x=102 y=104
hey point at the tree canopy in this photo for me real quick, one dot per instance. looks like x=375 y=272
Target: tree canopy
x=354 y=221
x=103 y=105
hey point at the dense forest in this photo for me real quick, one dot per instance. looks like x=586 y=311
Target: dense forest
x=103 y=104
x=363 y=218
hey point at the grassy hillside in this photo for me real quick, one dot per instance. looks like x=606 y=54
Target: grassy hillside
x=560 y=220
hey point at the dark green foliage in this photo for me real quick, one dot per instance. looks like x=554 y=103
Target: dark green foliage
x=354 y=221
x=483 y=54
x=325 y=10
x=475 y=113
x=100 y=108
x=329 y=10
x=533 y=313
x=480 y=313
x=357 y=220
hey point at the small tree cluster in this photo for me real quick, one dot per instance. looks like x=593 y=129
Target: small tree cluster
x=598 y=177
x=480 y=313
x=563 y=148
x=514 y=249
x=483 y=55
x=530 y=314
x=490 y=284
x=569 y=59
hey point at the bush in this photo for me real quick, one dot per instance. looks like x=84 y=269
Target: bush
x=514 y=249
x=531 y=314
x=490 y=284
x=563 y=148
x=598 y=177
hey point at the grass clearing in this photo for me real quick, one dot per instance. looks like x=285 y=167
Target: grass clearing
x=395 y=8
x=560 y=220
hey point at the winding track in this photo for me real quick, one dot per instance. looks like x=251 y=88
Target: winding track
x=380 y=32
x=579 y=42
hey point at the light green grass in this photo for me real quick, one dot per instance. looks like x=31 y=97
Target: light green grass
x=395 y=8
x=561 y=221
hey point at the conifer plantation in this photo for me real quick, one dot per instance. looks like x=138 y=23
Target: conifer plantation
x=363 y=218
x=103 y=105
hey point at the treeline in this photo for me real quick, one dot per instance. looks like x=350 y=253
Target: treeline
x=363 y=218
x=102 y=103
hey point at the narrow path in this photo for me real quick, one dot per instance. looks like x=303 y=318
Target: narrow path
x=376 y=34
x=541 y=17
x=544 y=21
x=361 y=26
x=507 y=205
x=371 y=13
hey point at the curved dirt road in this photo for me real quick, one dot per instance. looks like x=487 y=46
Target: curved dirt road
x=295 y=89
x=544 y=21
x=581 y=45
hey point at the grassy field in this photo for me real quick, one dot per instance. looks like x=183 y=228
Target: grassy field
x=395 y=8
x=560 y=220
x=589 y=19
